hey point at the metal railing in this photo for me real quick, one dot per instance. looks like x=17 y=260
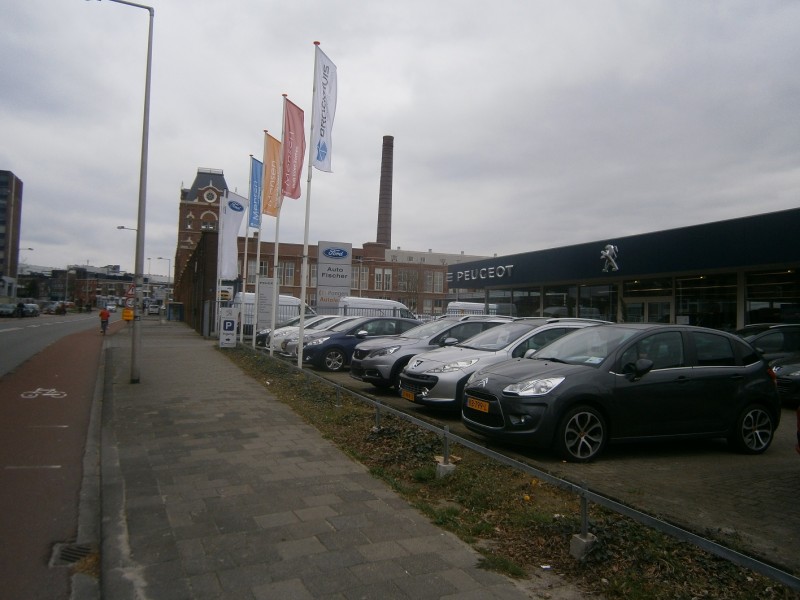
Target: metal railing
x=585 y=494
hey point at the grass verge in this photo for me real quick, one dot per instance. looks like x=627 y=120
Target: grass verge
x=518 y=524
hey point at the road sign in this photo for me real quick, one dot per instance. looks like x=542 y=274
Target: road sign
x=131 y=291
x=130 y=302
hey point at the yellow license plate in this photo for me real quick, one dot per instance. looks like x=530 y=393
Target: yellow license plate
x=476 y=404
x=408 y=395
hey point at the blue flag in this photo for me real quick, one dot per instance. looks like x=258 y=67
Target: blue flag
x=256 y=181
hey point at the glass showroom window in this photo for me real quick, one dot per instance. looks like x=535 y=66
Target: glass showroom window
x=560 y=301
x=772 y=297
x=707 y=300
x=598 y=302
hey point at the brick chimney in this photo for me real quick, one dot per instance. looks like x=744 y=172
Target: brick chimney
x=384 y=236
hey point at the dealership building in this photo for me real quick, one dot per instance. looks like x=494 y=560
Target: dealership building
x=724 y=275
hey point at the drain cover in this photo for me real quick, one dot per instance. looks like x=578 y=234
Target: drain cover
x=68 y=554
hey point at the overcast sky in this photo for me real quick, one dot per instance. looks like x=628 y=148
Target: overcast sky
x=519 y=125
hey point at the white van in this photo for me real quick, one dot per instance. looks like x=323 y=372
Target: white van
x=355 y=306
x=288 y=307
x=470 y=308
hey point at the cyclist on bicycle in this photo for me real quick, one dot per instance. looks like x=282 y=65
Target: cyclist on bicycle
x=104 y=317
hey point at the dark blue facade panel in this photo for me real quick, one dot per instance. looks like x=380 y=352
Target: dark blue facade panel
x=771 y=239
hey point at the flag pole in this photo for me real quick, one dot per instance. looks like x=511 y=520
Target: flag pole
x=276 y=245
x=258 y=243
x=244 y=275
x=304 y=269
x=217 y=300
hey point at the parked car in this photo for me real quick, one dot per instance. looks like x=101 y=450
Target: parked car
x=787 y=372
x=380 y=361
x=622 y=382
x=274 y=338
x=31 y=310
x=290 y=343
x=8 y=310
x=436 y=378
x=332 y=350
x=749 y=331
x=111 y=307
x=153 y=309
x=776 y=342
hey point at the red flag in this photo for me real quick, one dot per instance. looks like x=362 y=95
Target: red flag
x=294 y=147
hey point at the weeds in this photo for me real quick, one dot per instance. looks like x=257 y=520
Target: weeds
x=515 y=522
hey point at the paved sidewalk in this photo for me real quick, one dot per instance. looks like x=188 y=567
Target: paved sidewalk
x=213 y=489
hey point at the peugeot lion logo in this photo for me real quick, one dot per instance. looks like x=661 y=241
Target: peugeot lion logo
x=335 y=253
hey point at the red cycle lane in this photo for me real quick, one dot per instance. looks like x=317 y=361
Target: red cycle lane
x=45 y=408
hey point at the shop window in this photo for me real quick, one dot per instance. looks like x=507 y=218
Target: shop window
x=560 y=301
x=646 y=288
x=707 y=300
x=772 y=297
x=598 y=302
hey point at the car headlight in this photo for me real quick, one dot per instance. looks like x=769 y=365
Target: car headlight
x=454 y=366
x=318 y=341
x=384 y=351
x=533 y=387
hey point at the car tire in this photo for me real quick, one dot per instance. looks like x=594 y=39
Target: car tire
x=334 y=360
x=754 y=430
x=582 y=434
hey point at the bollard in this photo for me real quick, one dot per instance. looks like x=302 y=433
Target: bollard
x=445 y=467
x=581 y=544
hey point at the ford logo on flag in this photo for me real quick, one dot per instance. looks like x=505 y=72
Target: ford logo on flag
x=235 y=206
x=335 y=253
x=322 y=151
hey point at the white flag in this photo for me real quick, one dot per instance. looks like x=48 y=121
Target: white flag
x=323 y=111
x=231 y=216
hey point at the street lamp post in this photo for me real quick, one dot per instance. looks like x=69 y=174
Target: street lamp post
x=136 y=342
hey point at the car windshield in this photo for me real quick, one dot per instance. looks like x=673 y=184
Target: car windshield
x=498 y=337
x=589 y=346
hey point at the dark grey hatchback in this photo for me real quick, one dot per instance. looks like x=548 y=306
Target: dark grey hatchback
x=623 y=382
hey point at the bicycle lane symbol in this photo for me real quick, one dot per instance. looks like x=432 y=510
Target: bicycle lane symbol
x=46 y=392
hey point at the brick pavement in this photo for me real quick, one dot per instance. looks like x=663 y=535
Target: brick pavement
x=213 y=489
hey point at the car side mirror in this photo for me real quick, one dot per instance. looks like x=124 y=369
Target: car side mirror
x=637 y=370
x=362 y=333
x=451 y=341
x=530 y=353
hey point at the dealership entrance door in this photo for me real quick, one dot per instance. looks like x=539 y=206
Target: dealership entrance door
x=648 y=310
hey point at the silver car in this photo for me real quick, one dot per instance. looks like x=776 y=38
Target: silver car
x=437 y=378
x=290 y=342
x=380 y=361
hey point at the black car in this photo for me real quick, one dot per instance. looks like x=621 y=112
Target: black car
x=778 y=341
x=332 y=350
x=627 y=382
x=787 y=371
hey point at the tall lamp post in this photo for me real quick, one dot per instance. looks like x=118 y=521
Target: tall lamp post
x=136 y=338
